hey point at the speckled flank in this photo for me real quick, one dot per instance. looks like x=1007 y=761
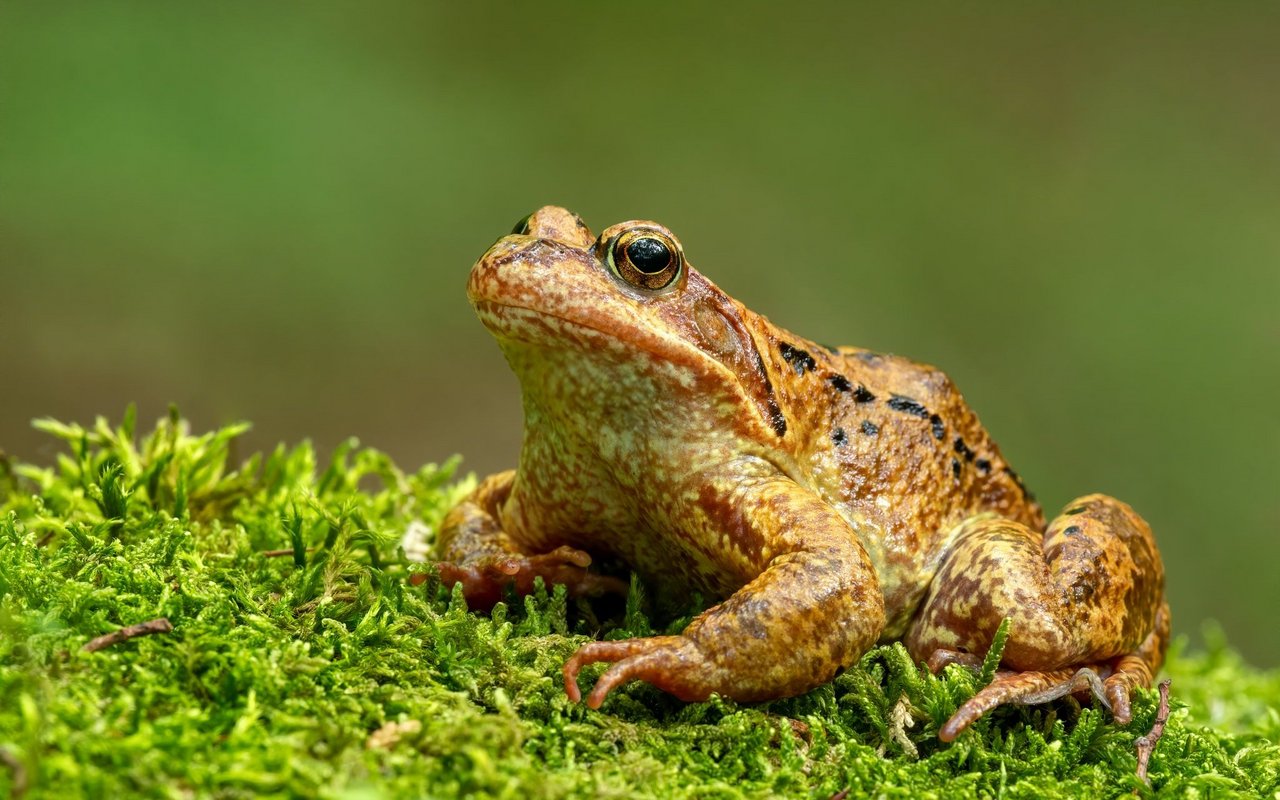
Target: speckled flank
x=830 y=497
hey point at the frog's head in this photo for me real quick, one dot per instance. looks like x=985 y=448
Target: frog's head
x=622 y=313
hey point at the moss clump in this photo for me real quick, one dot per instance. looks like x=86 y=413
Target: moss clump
x=303 y=662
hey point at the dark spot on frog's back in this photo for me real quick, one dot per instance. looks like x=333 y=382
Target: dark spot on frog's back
x=861 y=395
x=908 y=406
x=939 y=430
x=840 y=383
x=870 y=428
x=800 y=360
x=838 y=436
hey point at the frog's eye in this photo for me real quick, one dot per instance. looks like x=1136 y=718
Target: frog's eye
x=645 y=258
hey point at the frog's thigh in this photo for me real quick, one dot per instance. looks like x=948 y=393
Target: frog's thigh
x=1086 y=590
x=1086 y=601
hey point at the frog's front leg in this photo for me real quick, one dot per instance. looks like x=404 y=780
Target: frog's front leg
x=1085 y=599
x=814 y=607
x=477 y=553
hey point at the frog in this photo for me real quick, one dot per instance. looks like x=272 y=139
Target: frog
x=825 y=499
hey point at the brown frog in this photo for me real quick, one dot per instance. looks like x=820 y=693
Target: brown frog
x=832 y=497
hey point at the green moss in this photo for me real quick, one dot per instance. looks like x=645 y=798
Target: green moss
x=303 y=662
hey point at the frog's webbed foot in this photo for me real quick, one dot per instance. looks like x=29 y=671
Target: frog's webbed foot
x=486 y=578
x=674 y=664
x=1111 y=683
x=1024 y=688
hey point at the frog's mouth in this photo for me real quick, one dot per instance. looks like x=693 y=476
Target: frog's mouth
x=531 y=326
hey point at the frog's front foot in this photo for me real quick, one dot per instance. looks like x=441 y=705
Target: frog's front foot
x=486 y=578
x=674 y=664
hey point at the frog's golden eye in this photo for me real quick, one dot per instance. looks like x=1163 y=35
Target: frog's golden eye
x=646 y=258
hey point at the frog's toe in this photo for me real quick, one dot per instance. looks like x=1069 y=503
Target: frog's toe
x=561 y=556
x=672 y=663
x=484 y=580
x=943 y=656
x=1026 y=688
x=568 y=566
x=478 y=586
x=1129 y=673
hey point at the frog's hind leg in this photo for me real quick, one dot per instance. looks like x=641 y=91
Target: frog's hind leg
x=478 y=554
x=1085 y=599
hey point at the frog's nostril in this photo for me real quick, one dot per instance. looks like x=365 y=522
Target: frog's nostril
x=522 y=227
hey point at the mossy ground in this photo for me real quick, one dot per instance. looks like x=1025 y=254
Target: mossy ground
x=303 y=662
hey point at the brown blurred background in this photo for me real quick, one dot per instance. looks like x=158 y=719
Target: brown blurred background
x=268 y=213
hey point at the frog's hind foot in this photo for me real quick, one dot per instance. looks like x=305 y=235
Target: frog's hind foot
x=1112 y=683
x=1029 y=688
x=1128 y=673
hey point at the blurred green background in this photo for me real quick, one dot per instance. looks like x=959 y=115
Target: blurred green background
x=268 y=212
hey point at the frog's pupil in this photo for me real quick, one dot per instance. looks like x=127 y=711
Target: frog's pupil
x=649 y=255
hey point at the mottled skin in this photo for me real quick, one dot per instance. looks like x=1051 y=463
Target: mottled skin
x=832 y=497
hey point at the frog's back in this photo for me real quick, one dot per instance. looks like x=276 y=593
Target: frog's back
x=894 y=446
x=886 y=438
x=904 y=437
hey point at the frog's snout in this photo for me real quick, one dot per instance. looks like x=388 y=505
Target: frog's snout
x=557 y=224
x=525 y=270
